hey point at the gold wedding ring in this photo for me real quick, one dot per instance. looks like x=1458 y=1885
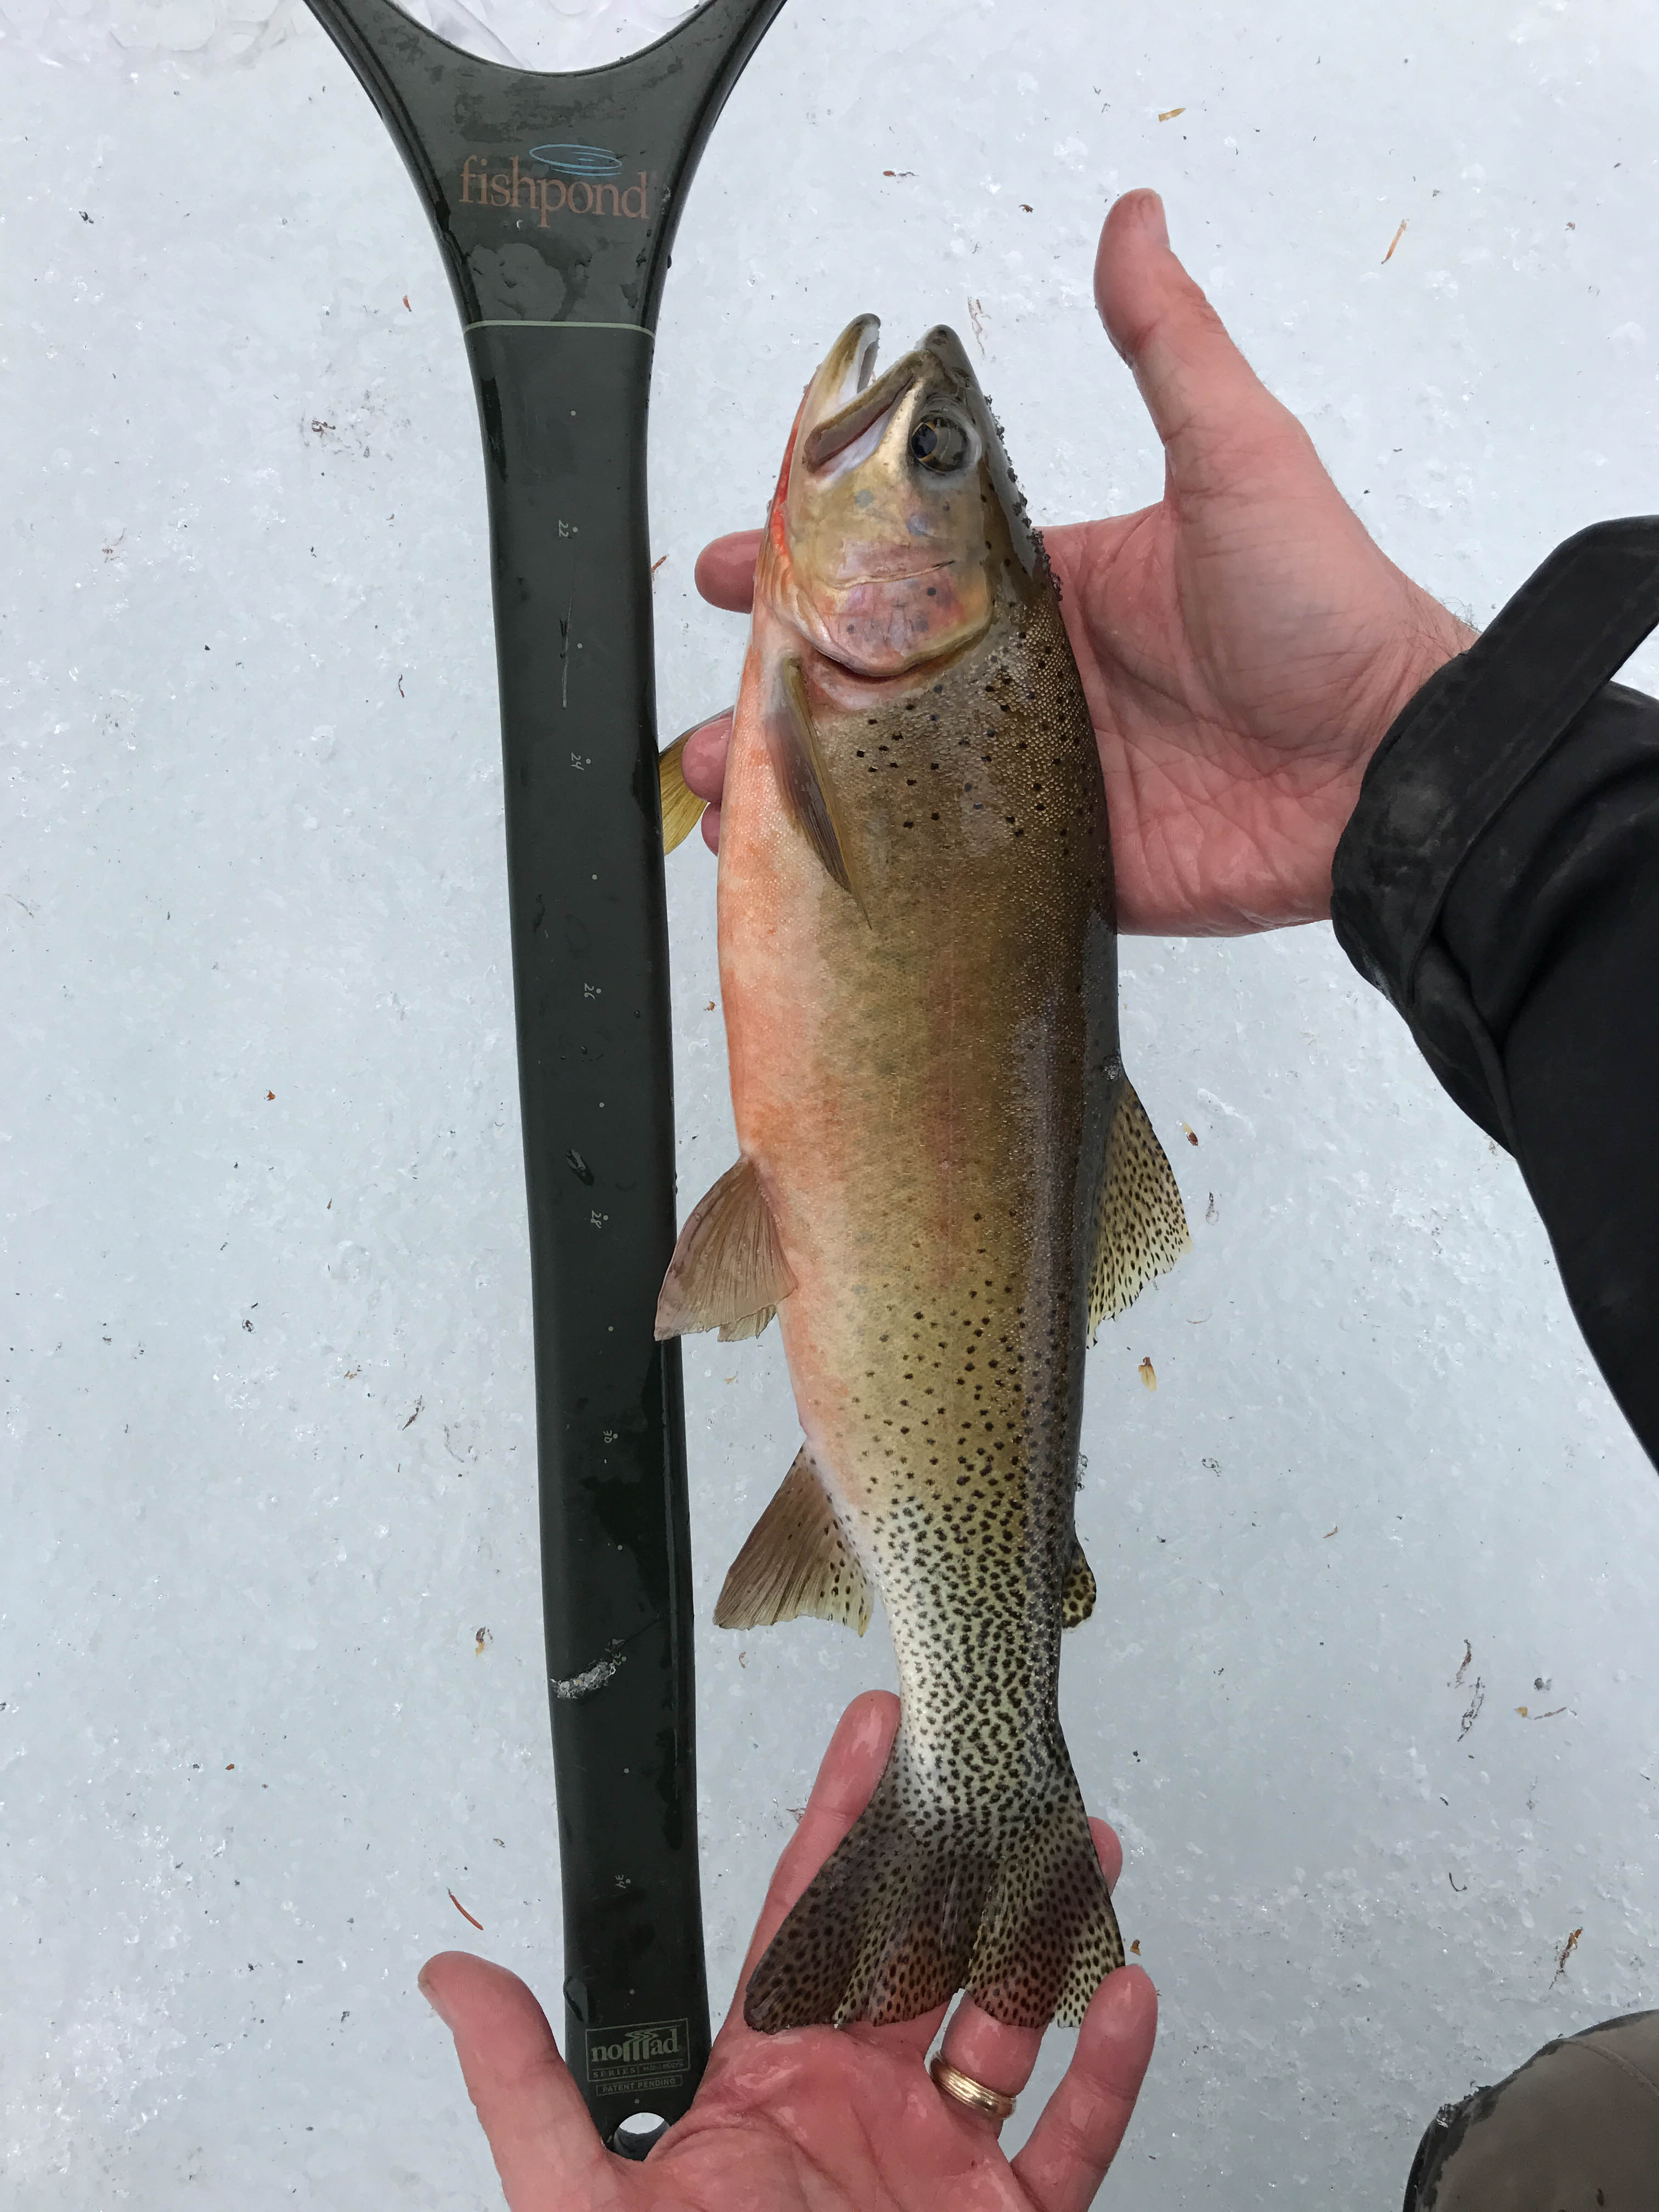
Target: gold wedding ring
x=952 y=2082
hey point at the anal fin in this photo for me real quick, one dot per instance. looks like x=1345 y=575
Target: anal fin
x=1141 y=1227
x=728 y=1271
x=797 y=1559
x=1076 y=1599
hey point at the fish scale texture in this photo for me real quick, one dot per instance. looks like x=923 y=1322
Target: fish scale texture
x=931 y=1130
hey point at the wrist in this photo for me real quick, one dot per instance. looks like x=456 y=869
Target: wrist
x=1426 y=636
x=1423 y=638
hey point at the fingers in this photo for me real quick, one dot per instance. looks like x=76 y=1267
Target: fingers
x=851 y=1769
x=545 y=2147
x=725 y=577
x=1200 y=391
x=1077 y=2136
x=988 y=2051
x=703 y=762
x=703 y=767
x=1109 y=1850
x=726 y=571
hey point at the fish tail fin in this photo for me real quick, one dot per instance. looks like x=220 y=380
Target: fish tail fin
x=1047 y=1934
x=920 y=1899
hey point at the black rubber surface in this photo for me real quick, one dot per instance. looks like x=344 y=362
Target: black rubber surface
x=554 y=200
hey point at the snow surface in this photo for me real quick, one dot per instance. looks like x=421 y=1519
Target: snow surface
x=270 y=1677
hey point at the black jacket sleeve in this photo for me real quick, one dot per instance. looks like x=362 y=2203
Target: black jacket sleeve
x=1499 y=882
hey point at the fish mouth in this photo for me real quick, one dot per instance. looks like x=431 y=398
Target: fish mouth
x=843 y=407
x=844 y=373
x=835 y=432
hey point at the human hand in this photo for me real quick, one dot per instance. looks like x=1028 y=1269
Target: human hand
x=834 y=2119
x=1245 y=644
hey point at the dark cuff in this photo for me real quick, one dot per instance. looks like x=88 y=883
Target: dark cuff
x=1452 y=761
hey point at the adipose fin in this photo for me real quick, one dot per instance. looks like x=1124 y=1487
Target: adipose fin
x=1077 y=1600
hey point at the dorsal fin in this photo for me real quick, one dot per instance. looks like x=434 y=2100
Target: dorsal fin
x=728 y=1271
x=682 y=810
x=803 y=785
x=796 y=1560
x=1142 y=1226
x=1077 y=1600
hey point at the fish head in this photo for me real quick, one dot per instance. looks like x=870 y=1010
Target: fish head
x=895 y=531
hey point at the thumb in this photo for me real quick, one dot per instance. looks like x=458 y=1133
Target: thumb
x=546 y=2148
x=1206 y=403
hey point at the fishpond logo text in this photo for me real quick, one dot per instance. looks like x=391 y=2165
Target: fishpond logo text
x=518 y=186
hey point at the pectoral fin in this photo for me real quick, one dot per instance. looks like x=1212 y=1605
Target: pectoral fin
x=682 y=810
x=803 y=784
x=1077 y=1600
x=796 y=1561
x=728 y=1271
x=1142 y=1228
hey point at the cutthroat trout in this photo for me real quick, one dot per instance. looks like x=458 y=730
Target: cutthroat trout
x=945 y=1181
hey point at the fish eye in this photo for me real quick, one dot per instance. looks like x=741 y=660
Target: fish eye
x=940 y=444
